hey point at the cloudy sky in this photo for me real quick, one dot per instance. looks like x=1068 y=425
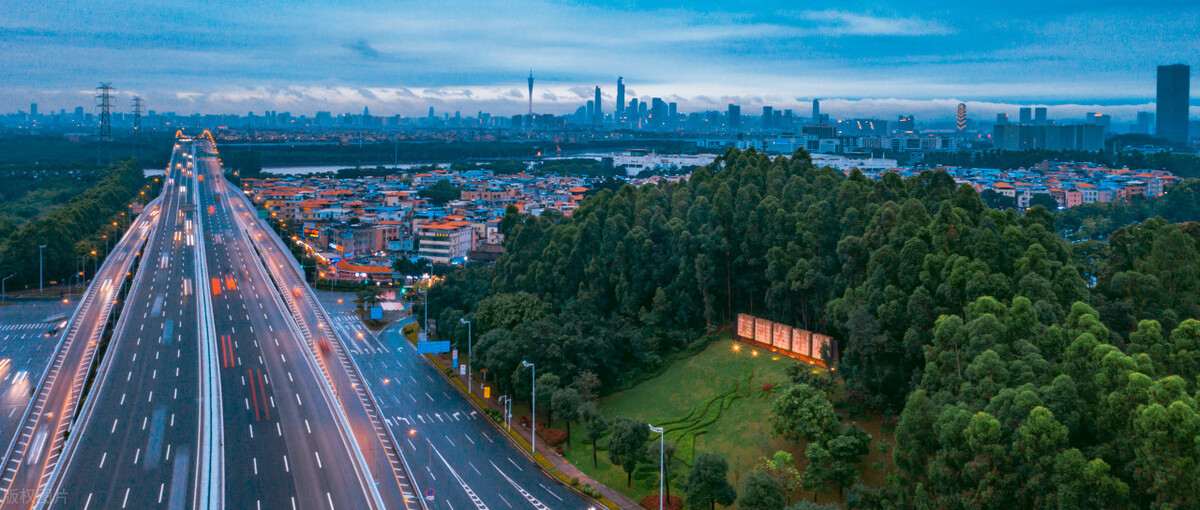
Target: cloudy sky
x=400 y=56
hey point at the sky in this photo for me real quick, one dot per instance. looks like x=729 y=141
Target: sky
x=863 y=58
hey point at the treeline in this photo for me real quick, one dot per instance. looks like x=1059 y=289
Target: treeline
x=31 y=190
x=1183 y=165
x=386 y=153
x=1015 y=412
x=634 y=276
x=72 y=229
x=1098 y=220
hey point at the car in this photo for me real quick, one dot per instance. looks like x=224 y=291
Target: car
x=324 y=344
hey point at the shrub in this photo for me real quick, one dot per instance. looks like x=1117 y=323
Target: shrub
x=553 y=437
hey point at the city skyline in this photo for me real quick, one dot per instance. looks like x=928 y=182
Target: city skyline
x=890 y=59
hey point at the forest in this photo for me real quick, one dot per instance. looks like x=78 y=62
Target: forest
x=72 y=228
x=1020 y=370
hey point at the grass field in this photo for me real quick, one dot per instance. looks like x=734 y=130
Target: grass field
x=712 y=401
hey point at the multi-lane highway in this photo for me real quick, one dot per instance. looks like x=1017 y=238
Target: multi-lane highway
x=286 y=441
x=136 y=448
x=453 y=449
x=33 y=455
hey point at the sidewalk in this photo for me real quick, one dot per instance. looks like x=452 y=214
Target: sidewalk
x=560 y=464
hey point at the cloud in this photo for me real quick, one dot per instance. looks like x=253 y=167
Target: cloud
x=363 y=49
x=839 y=23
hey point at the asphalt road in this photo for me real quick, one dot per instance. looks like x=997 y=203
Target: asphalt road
x=25 y=351
x=138 y=445
x=282 y=446
x=32 y=456
x=455 y=451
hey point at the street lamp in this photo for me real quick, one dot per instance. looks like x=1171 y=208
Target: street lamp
x=662 y=448
x=533 y=406
x=4 y=287
x=414 y=432
x=81 y=267
x=507 y=402
x=41 y=266
x=468 y=323
x=95 y=263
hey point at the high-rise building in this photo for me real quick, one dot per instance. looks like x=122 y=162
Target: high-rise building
x=1001 y=118
x=672 y=111
x=1171 y=104
x=1039 y=116
x=658 y=111
x=767 y=117
x=1098 y=119
x=1144 y=122
x=591 y=111
x=906 y=124
x=33 y=109
x=1026 y=115
x=620 y=95
x=599 y=110
x=734 y=117
x=961 y=116
x=816 y=118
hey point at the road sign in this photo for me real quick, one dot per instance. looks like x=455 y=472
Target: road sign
x=454 y=358
x=462 y=370
x=428 y=493
x=487 y=392
x=433 y=347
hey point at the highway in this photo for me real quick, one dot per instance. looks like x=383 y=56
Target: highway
x=455 y=451
x=375 y=446
x=33 y=455
x=285 y=441
x=25 y=348
x=137 y=446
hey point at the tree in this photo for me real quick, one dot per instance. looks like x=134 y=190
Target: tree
x=833 y=462
x=597 y=427
x=761 y=492
x=410 y=267
x=802 y=413
x=782 y=467
x=707 y=483
x=566 y=404
x=1045 y=200
x=441 y=192
x=547 y=384
x=627 y=445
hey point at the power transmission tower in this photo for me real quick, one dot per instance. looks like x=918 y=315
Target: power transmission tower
x=105 y=98
x=137 y=113
x=137 y=125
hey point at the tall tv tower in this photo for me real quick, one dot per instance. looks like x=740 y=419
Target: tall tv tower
x=529 y=120
x=105 y=103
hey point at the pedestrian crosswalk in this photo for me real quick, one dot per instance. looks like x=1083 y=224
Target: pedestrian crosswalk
x=21 y=327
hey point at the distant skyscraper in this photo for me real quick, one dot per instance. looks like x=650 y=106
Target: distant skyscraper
x=366 y=112
x=961 y=116
x=907 y=124
x=816 y=118
x=672 y=112
x=734 y=120
x=1172 y=102
x=767 y=116
x=1039 y=116
x=33 y=109
x=658 y=111
x=591 y=111
x=599 y=110
x=431 y=115
x=1026 y=115
x=620 y=95
x=1144 y=121
x=1001 y=118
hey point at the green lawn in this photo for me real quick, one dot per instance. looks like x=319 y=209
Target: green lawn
x=712 y=401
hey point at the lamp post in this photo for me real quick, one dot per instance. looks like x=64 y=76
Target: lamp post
x=414 y=432
x=95 y=264
x=468 y=323
x=81 y=267
x=533 y=406
x=662 y=448
x=507 y=402
x=4 y=286
x=41 y=269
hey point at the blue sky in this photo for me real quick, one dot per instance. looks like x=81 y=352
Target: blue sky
x=402 y=57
